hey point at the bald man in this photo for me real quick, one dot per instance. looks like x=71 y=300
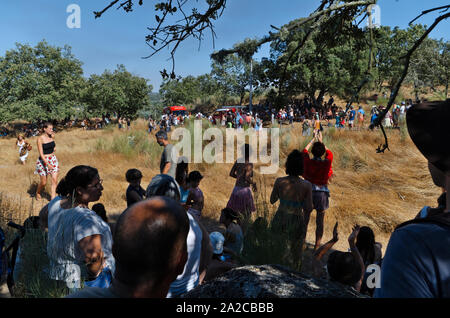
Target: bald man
x=150 y=251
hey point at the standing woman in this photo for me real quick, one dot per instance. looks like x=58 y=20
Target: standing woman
x=47 y=163
x=241 y=199
x=295 y=195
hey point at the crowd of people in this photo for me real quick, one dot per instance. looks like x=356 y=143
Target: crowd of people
x=159 y=247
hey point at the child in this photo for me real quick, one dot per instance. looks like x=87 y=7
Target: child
x=218 y=265
x=234 y=237
x=181 y=176
x=195 y=200
x=23 y=148
x=135 y=192
x=100 y=210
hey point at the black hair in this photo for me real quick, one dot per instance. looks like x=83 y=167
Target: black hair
x=318 y=149
x=161 y=135
x=46 y=124
x=230 y=214
x=365 y=242
x=79 y=176
x=194 y=176
x=344 y=268
x=100 y=210
x=294 y=163
x=144 y=249
x=247 y=151
x=181 y=171
x=133 y=175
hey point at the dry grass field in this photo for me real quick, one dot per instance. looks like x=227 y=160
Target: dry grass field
x=377 y=190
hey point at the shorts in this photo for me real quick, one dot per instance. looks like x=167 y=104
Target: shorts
x=351 y=122
x=321 y=200
x=44 y=170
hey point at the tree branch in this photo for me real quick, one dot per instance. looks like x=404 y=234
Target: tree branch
x=428 y=11
x=220 y=55
x=407 y=57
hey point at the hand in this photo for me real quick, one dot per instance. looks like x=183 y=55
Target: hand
x=255 y=189
x=353 y=235
x=335 y=233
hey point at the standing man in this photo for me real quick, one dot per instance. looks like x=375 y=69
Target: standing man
x=351 y=118
x=168 y=163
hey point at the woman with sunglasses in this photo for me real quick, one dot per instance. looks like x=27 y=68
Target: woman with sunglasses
x=79 y=241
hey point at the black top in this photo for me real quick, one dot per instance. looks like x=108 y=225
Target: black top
x=134 y=195
x=48 y=148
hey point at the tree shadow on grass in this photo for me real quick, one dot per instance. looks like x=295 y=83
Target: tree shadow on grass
x=32 y=191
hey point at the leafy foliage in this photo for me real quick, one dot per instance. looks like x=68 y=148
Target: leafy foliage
x=43 y=82
x=46 y=82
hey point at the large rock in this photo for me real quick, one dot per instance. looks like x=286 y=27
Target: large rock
x=270 y=281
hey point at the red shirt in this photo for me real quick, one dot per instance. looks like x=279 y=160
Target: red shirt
x=317 y=171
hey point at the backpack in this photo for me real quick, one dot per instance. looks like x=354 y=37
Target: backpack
x=3 y=259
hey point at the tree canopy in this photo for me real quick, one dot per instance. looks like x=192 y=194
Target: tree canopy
x=46 y=82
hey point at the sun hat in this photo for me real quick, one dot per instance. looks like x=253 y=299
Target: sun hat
x=217 y=240
x=428 y=128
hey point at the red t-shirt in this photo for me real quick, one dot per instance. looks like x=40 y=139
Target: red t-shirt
x=317 y=171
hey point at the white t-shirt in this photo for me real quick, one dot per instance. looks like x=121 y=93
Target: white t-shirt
x=402 y=109
x=65 y=229
x=189 y=279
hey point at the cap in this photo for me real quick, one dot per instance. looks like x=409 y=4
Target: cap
x=217 y=240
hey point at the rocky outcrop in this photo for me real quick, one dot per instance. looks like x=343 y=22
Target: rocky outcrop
x=270 y=281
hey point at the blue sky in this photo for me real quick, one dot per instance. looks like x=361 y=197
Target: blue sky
x=118 y=37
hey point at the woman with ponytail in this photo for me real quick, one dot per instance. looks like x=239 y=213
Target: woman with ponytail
x=79 y=241
x=47 y=163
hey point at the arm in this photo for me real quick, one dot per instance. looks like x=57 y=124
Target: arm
x=166 y=168
x=327 y=246
x=274 y=196
x=135 y=197
x=308 y=204
x=91 y=246
x=308 y=146
x=356 y=254
x=41 y=150
x=43 y=218
x=206 y=252
x=233 y=173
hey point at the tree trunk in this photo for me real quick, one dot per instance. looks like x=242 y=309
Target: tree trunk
x=446 y=90
x=319 y=100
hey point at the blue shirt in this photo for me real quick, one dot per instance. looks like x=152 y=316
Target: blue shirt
x=416 y=263
x=352 y=115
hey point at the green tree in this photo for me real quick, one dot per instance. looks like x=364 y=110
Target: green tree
x=325 y=64
x=232 y=77
x=117 y=92
x=43 y=82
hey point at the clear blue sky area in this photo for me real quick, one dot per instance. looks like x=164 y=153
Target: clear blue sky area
x=119 y=37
